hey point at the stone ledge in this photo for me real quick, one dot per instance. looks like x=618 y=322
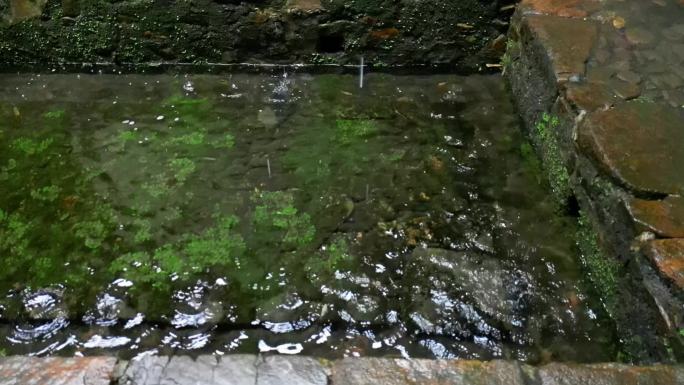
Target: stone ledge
x=563 y=8
x=299 y=370
x=568 y=43
x=665 y=218
x=639 y=144
x=582 y=61
x=57 y=371
x=668 y=257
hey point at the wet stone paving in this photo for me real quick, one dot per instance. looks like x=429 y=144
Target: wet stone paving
x=278 y=370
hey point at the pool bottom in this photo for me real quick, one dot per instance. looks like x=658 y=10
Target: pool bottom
x=296 y=214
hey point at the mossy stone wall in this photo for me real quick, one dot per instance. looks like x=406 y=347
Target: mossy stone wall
x=465 y=34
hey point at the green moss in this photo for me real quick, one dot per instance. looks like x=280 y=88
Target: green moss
x=30 y=146
x=191 y=139
x=143 y=231
x=88 y=40
x=181 y=261
x=55 y=114
x=603 y=272
x=47 y=194
x=93 y=233
x=14 y=233
x=276 y=218
x=350 y=130
x=323 y=59
x=552 y=159
x=182 y=168
x=227 y=141
x=128 y=136
x=157 y=187
x=337 y=253
x=512 y=51
x=55 y=219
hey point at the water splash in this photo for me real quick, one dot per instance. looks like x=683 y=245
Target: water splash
x=361 y=70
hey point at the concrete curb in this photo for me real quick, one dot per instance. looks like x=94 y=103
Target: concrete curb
x=299 y=370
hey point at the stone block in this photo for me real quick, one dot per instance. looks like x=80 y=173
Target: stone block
x=663 y=217
x=668 y=257
x=567 y=43
x=25 y=9
x=19 y=370
x=564 y=8
x=608 y=374
x=639 y=145
x=294 y=370
x=374 y=371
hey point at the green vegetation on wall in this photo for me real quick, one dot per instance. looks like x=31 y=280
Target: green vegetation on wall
x=546 y=132
x=603 y=272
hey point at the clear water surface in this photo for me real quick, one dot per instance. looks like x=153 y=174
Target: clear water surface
x=289 y=213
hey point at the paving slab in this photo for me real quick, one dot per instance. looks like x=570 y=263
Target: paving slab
x=300 y=370
x=668 y=256
x=19 y=370
x=609 y=374
x=568 y=43
x=564 y=8
x=376 y=371
x=295 y=370
x=227 y=370
x=663 y=217
x=639 y=144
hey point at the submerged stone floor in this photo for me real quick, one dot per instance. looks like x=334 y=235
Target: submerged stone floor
x=298 y=370
x=608 y=75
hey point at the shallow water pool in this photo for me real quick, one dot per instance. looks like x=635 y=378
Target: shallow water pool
x=288 y=213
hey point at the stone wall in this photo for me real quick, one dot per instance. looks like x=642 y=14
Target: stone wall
x=280 y=370
x=464 y=34
x=611 y=136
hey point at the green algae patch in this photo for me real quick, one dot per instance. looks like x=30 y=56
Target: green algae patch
x=193 y=254
x=277 y=219
x=30 y=146
x=350 y=130
x=603 y=272
x=552 y=158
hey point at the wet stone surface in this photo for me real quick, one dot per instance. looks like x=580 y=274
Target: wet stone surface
x=57 y=371
x=144 y=34
x=623 y=111
x=665 y=218
x=283 y=213
x=400 y=372
x=639 y=144
x=563 y=8
x=279 y=370
x=668 y=256
x=567 y=41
